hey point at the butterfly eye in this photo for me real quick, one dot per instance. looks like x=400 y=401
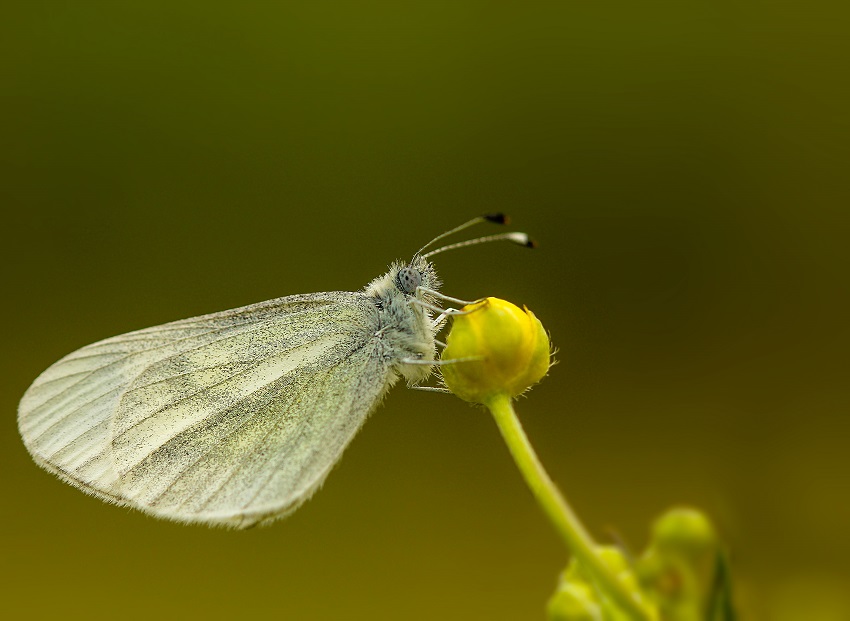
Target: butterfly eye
x=408 y=279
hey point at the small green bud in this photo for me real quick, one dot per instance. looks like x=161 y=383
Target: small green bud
x=509 y=346
x=577 y=576
x=574 y=601
x=684 y=532
x=679 y=568
x=614 y=559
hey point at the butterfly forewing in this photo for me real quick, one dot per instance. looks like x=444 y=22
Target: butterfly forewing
x=196 y=420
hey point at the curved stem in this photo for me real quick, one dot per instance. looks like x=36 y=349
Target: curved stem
x=555 y=506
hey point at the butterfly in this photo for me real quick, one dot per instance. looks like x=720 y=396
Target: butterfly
x=235 y=418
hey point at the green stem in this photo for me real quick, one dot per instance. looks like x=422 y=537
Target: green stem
x=569 y=527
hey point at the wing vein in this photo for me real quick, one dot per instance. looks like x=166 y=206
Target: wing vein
x=142 y=370
x=270 y=474
x=202 y=389
x=106 y=366
x=221 y=440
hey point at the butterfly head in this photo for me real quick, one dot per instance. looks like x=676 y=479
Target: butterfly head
x=418 y=273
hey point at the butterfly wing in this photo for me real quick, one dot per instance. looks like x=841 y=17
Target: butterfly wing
x=233 y=418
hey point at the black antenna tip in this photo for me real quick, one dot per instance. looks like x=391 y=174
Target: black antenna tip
x=498 y=218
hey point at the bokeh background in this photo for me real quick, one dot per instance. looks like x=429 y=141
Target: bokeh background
x=684 y=167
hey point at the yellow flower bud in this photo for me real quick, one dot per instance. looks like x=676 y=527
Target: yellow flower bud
x=509 y=346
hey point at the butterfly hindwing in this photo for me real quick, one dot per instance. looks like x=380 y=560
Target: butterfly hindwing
x=232 y=418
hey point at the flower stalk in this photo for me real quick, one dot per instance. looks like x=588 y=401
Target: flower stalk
x=502 y=350
x=558 y=510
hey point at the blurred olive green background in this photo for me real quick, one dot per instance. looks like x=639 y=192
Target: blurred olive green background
x=684 y=167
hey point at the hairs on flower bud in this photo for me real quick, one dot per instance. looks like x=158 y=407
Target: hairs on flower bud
x=510 y=348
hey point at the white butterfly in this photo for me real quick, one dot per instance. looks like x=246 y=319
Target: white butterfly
x=237 y=417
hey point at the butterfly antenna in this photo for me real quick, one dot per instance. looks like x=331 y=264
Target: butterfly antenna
x=498 y=218
x=518 y=238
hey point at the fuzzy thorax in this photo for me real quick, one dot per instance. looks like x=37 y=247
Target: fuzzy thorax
x=404 y=326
